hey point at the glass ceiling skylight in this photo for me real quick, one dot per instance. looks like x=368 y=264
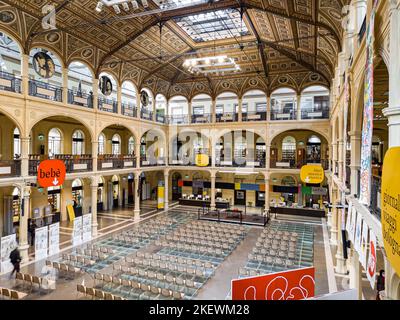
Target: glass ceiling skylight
x=220 y=24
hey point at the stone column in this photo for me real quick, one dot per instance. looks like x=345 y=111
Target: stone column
x=23 y=223
x=154 y=109
x=360 y=7
x=138 y=105
x=213 y=178
x=266 y=206
x=166 y=190
x=213 y=111
x=95 y=94
x=340 y=267
x=240 y=110
x=190 y=112
x=137 y=196
x=334 y=229
x=267 y=157
x=137 y=153
x=298 y=107
x=94 y=187
x=25 y=156
x=64 y=85
x=268 y=108
x=119 y=99
x=95 y=151
x=25 y=74
x=355 y=273
x=340 y=147
x=355 y=141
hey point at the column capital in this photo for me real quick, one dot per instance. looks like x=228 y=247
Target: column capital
x=391 y=111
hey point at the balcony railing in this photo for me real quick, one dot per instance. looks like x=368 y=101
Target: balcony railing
x=292 y=164
x=254 y=116
x=10 y=168
x=129 y=110
x=9 y=82
x=80 y=99
x=73 y=163
x=186 y=161
x=240 y=162
x=108 y=105
x=152 y=162
x=179 y=119
x=202 y=118
x=161 y=118
x=110 y=162
x=146 y=114
x=320 y=114
x=226 y=117
x=283 y=115
x=45 y=91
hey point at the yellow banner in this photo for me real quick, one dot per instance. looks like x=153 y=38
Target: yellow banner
x=71 y=212
x=390 y=203
x=202 y=160
x=313 y=174
x=160 y=198
x=238 y=186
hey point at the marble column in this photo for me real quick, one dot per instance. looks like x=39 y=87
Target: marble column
x=93 y=188
x=95 y=94
x=166 y=190
x=240 y=110
x=64 y=85
x=137 y=196
x=119 y=100
x=25 y=156
x=23 y=223
x=25 y=74
x=213 y=179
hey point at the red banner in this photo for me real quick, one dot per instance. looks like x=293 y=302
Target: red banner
x=296 y=284
x=51 y=173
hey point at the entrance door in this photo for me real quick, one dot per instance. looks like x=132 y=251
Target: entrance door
x=130 y=191
x=240 y=197
x=260 y=199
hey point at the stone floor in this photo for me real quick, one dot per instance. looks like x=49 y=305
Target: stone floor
x=217 y=287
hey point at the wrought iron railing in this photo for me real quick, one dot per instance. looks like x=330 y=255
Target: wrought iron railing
x=129 y=110
x=108 y=105
x=10 y=168
x=202 y=118
x=80 y=98
x=73 y=163
x=283 y=115
x=9 y=82
x=178 y=119
x=226 y=117
x=45 y=91
x=310 y=115
x=254 y=116
x=152 y=162
x=110 y=162
x=239 y=162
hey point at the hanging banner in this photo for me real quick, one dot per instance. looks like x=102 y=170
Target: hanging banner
x=371 y=268
x=54 y=238
x=86 y=227
x=77 y=231
x=368 y=119
x=8 y=244
x=364 y=246
x=202 y=160
x=390 y=201
x=358 y=230
x=41 y=242
x=313 y=174
x=160 y=197
x=296 y=284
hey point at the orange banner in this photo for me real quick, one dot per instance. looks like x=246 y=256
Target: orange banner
x=296 y=284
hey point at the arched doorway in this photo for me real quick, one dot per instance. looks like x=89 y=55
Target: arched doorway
x=177 y=184
x=115 y=191
x=77 y=196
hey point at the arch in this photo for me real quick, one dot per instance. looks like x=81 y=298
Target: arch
x=55 y=141
x=77 y=183
x=133 y=133
x=116 y=144
x=316 y=130
x=14 y=39
x=59 y=66
x=283 y=104
x=11 y=48
x=128 y=92
x=254 y=101
x=80 y=77
x=101 y=144
x=254 y=91
x=178 y=106
x=7 y=113
x=78 y=142
x=131 y=145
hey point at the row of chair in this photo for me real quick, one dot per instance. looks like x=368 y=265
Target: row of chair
x=96 y=293
x=275 y=253
x=101 y=253
x=102 y=249
x=31 y=281
x=11 y=294
x=68 y=270
x=79 y=259
x=261 y=259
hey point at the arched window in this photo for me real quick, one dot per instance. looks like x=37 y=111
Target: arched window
x=17 y=144
x=54 y=142
x=283 y=104
x=116 y=144
x=289 y=149
x=102 y=143
x=115 y=183
x=314 y=149
x=77 y=192
x=131 y=145
x=78 y=143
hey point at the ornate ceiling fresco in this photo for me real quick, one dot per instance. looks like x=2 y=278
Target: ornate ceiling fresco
x=290 y=43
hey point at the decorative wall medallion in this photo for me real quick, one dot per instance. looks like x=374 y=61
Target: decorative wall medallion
x=113 y=64
x=253 y=82
x=225 y=85
x=283 y=79
x=105 y=85
x=200 y=86
x=7 y=16
x=86 y=53
x=177 y=89
x=17 y=113
x=53 y=37
x=144 y=98
x=43 y=65
x=314 y=77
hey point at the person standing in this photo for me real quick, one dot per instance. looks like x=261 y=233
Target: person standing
x=15 y=258
x=380 y=284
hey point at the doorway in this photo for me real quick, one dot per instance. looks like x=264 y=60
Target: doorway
x=176 y=186
x=240 y=197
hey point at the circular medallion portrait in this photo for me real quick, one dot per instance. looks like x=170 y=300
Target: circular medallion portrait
x=44 y=65
x=105 y=85
x=144 y=98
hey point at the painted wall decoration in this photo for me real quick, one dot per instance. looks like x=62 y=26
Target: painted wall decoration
x=7 y=244
x=368 y=119
x=296 y=284
x=41 y=242
x=144 y=98
x=43 y=65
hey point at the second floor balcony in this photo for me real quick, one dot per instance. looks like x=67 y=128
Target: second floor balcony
x=152 y=162
x=108 y=105
x=146 y=114
x=45 y=91
x=202 y=118
x=254 y=116
x=10 y=168
x=73 y=163
x=284 y=114
x=315 y=114
x=129 y=110
x=226 y=117
x=9 y=82
x=80 y=98
x=297 y=164
x=110 y=162
x=239 y=162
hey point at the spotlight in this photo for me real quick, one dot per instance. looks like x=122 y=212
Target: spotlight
x=145 y=3
x=125 y=6
x=135 y=5
x=117 y=9
x=99 y=6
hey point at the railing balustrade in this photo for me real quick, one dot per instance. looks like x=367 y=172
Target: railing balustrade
x=9 y=82
x=108 y=105
x=129 y=110
x=226 y=117
x=254 y=116
x=110 y=162
x=80 y=98
x=10 y=168
x=45 y=91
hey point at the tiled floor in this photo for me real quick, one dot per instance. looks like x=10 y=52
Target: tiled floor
x=216 y=287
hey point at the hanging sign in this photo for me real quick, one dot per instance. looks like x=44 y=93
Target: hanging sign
x=202 y=160
x=313 y=174
x=51 y=173
x=41 y=243
x=390 y=201
x=105 y=85
x=364 y=246
x=43 y=65
x=371 y=267
x=296 y=284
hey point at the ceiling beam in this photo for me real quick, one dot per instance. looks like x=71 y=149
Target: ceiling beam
x=260 y=45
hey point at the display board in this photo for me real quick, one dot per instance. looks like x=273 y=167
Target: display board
x=358 y=230
x=86 y=227
x=371 y=267
x=364 y=245
x=41 y=242
x=7 y=244
x=54 y=238
x=296 y=284
x=202 y=160
x=77 y=231
x=313 y=174
x=353 y=222
x=390 y=200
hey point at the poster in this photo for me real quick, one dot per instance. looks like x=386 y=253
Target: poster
x=8 y=244
x=358 y=230
x=368 y=119
x=390 y=201
x=77 y=232
x=353 y=224
x=348 y=221
x=364 y=246
x=86 y=227
x=71 y=212
x=160 y=198
x=41 y=242
x=296 y=284
x=54 y=238
x=371 y=267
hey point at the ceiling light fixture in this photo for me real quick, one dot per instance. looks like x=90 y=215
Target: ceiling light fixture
x=99 y=6
x=217 y=65
x=124 y=3
x=135 y=5
x=117 y=9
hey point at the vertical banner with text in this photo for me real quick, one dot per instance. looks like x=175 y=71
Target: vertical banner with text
x=77 y=232
x=41 y=242
x=54 y=238
x=7 y=243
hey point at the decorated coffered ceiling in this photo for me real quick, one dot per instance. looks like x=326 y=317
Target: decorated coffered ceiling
x=276 y=43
